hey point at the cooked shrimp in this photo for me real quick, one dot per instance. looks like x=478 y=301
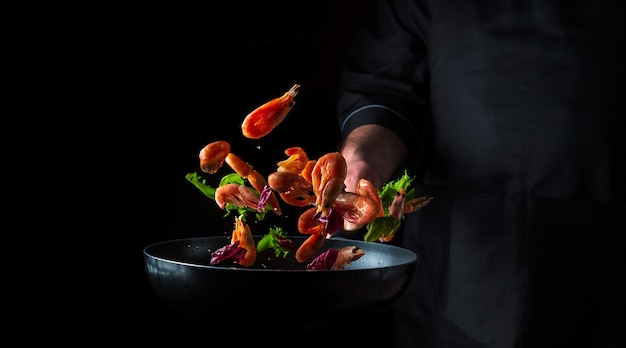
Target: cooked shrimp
x=327 y=178
x=237 y=195
x=307 y=171
x=262 y=120
x=296 y=161
x=365 y=188
x=416 y=204
x=254 y=178
x=308 y=224
x=238 y=165
x=212 y=156
x=243 y=235
x=335 y=259
x=292 y=188
x=346 y=255
x=396 y=210
x=355 y=208
x=310 y=247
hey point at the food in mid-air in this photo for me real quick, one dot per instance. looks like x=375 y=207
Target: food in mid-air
x=316 y=185
x=262 y=120
x=213 y=155
x=241 y=249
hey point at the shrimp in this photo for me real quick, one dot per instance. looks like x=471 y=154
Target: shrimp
x=243 y=235
x=238 y=165
x=335 y=259
x=262 y=120
x=355 y=208
x=212 y=156
x=307 y=171
x=396 y=210
x=292 y=188
x=309 y=224
x=241 y=250
x=285 y=181
x=310 y=247
x=327 y=178
x=254 y=178
x=416 y=204
x=346 y=255
x=365 y=187
x=237 y=195
x=296 y=161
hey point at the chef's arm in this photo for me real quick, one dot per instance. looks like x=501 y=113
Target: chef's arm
x=382 y=102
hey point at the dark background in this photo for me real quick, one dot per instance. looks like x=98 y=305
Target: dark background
x=177 y=78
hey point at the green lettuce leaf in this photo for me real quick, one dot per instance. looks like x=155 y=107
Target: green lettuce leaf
x=202 y=185
x=388 y=191
x=384 y=226
x=232 y=178
x=387 y=226
x=272 y=240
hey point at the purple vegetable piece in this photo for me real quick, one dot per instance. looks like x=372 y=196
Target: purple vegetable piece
x=334 y=222
x=324 y=260
x=286 y=243
x=265 y=195
x=231 y=252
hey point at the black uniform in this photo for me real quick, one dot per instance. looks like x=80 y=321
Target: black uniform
x=514 y=113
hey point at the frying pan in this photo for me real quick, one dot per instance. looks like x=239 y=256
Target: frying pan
x=180 y=273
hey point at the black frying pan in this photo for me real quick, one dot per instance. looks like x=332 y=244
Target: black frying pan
x=180 y=273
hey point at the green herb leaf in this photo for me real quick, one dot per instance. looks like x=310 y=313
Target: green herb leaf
x=270 y=240
x=233 y=178
x=387 y=226
x=381 y=227
x=201 y=183
x=388 y=191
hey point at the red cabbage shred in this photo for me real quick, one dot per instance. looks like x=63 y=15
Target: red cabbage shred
x=324 y=261
x=231 y=252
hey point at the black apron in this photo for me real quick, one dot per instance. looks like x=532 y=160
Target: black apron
x=523 y=243
x=510 y=271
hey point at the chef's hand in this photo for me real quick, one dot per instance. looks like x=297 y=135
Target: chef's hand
x=372 y=152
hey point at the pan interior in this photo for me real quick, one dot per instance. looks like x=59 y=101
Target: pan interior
x=197 y=252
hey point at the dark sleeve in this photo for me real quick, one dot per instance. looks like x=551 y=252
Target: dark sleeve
x=384 y=77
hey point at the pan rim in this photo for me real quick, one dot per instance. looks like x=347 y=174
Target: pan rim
x=410 y=255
